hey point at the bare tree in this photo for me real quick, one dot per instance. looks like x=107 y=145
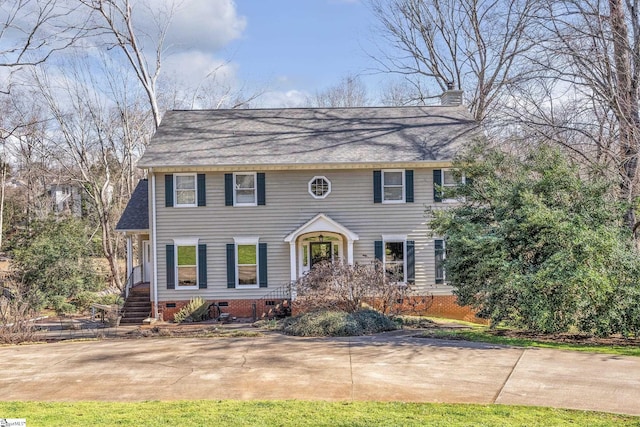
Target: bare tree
x=32 y=30
x=87 y=145
x=585 y=97
x=350 y=92
x=476 y=45
x=115 y=19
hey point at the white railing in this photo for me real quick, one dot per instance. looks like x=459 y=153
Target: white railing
x=134 y=277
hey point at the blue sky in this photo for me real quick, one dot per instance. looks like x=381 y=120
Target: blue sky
x=302 y=46
x=286 y=49
x=311 y=42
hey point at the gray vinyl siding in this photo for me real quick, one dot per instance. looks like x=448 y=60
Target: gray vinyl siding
x=288 y=206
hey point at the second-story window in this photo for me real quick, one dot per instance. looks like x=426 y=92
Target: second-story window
x=185 y=188
x=393 y=186
x=319 y=187
x=245 y=189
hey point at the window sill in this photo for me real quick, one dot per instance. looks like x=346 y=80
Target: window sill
x=247 y=286
x=393 y=202
x=186 y=288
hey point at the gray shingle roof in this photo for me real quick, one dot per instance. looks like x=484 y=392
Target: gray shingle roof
x=309 y=136
x=136 y=214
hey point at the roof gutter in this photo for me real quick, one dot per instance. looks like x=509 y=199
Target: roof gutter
x=300 y=166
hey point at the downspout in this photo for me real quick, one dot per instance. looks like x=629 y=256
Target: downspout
x=153 y=243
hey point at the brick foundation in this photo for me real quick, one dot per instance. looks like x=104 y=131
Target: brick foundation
x=433 y=305
x=238 y=308
x=445 y=306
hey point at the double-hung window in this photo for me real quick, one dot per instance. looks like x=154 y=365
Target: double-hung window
x=247 y=256
x=398 y=257
x=445 y=181
x=394 y=260
x=246 y=263
x=187 y=266
x=244 y=185
x=186 y=263
x=185 y=189
x=393 y=186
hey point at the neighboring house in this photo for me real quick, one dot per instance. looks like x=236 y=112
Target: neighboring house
x=243 y=202
x=66 y=198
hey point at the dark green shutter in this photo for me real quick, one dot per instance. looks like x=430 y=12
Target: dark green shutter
x=262 y=197
x=168 y=190
x=408 y=182
x=437 y=182
x=171 y=267
x=202 y=190
x=202 y=266
x=411 y=262
x=262 y=260
x=439 y=252
x=228 y=189
x=468 y=181
x=378 y=250
x=231 y=265
x=377 y=186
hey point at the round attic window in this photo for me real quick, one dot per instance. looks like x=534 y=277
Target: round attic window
x=319 y=187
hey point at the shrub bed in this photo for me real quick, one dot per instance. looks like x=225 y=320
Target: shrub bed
x=331 y=323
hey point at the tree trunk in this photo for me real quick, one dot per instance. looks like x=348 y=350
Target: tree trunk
x=626 y=108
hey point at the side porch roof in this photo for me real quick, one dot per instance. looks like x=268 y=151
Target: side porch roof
x=135 y=217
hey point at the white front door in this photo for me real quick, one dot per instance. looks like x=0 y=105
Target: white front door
x=146 y=261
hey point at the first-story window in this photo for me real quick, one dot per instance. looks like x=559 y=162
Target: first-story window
x=185 y=188
x=247 y=265
x=439 y=259
x=187 y=266
x=394 y=260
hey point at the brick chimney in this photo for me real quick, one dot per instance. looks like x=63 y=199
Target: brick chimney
x=451 y=97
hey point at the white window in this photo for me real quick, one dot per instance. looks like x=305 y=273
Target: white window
x=185 y=190
x=186 y=263
x=246 y=262
x=393 y=186
x=319 y=187
x=394 y=257
x=244 y=185
x=450 y=181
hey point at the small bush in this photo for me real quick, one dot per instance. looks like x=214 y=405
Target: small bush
x=84 y=300
x=60 y=305
x=195 y=311
x=330 y=323
x=373 y=321
x=110 y=299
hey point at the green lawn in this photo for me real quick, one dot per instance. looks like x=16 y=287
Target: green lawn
x=298 y=413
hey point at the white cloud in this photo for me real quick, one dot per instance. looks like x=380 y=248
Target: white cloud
x=206 y=25
x=283 y=99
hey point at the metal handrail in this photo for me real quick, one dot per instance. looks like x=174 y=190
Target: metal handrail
x=134 y=277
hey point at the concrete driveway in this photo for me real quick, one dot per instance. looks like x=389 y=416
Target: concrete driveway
x=388 y=367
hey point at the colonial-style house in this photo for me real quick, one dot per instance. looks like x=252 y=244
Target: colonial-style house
x=238 y=204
